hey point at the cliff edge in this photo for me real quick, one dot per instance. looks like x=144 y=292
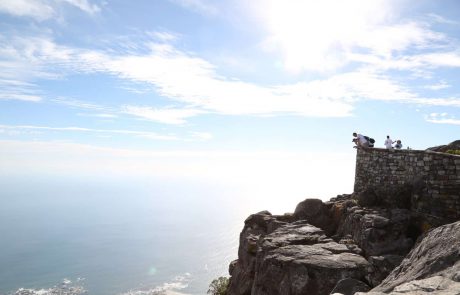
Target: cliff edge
x=388 y=237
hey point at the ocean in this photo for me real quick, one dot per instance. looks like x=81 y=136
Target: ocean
x=109 y=237
x=122 y=233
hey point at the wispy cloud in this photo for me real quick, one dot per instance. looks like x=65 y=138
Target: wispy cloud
x=43 y=9
x=438 y=86
x=195 y=84
x=201 y=135
x=39 y=9
x=440 y=19
x=13 y=130
x=144 y=134
x=442 y=118
x=165 y=115
x=102 y=116
x=82 y=104
x=84 y=5
x=201 y=6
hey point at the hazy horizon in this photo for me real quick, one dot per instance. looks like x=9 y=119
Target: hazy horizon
x=156 y=127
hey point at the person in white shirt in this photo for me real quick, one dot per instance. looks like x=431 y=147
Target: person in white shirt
x=360 y=140
x=388 y=143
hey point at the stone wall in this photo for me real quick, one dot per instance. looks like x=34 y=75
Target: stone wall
x=433 y=178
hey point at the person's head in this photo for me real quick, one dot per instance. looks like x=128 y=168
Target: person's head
x=399 y=141
x=354 y=134
x=388 y=136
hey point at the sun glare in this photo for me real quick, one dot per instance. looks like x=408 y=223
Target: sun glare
x=316 y=34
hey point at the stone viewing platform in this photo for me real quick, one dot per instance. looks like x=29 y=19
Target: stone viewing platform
x=433 y=178
x=397 y=233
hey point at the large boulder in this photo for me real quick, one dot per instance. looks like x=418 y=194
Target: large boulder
x=436 y=256
x=300 y=259
x=378 y=231
x=242 y=271
x=306 y=269
x=316 y=213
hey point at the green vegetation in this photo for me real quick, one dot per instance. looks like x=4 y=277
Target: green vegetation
x=453 y=152
x=219 y=286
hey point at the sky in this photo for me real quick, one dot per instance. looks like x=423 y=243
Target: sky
x=229 y=89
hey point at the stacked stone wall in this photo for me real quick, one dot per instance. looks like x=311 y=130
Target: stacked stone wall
x=434 y=177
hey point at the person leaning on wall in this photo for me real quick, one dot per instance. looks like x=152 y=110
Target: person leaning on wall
x=360 y=140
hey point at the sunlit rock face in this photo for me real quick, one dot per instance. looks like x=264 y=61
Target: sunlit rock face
x=435 y=260
x=377 y=237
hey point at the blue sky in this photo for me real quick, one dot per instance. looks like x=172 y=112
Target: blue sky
x=222 y=88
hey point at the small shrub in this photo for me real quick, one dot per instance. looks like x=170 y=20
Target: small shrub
x=219 y=286
x=453 y=152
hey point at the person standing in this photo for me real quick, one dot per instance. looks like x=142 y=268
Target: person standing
x=388 y=143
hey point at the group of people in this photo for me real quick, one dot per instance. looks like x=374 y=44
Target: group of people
x=366 y=141
x=389 y=144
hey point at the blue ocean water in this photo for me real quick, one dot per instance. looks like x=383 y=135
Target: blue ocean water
x=113 y=236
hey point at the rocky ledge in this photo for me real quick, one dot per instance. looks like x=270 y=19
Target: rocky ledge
x=361 y=243
x=342 y=247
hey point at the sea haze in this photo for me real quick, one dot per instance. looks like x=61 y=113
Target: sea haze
x=112 y=237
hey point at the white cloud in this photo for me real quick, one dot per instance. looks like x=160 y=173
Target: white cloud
x=165 y=115
x=143 y=134
x=82 y=104
x=202 y=6
x=31 y=129
x=449 y=121
x=442 y=118
x=440 y=19
x=201 y=135
x=43 y=9
x=37 y=9
x=84 y=5
x=197 y=86
x=194 y=81
x=102 y=116
x=19 y=96
x=438 y=86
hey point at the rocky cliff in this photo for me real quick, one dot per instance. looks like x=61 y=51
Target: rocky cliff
x=366 y=241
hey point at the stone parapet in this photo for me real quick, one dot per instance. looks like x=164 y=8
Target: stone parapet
x=434 y=177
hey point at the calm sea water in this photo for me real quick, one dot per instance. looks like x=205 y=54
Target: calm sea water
x=113 y=236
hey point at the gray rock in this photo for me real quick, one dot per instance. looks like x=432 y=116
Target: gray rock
x=378 y=231
x=437 y=285
x=242 y=271
x=298 y=233
x=455 y=145
x=437 y=254
x=306 y=269
x=316 y=213
x=350 y=287
x=382 y=267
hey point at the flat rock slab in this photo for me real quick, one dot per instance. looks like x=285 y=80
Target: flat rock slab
x=306 y=269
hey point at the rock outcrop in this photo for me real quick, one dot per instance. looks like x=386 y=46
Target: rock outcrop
x=455 y=145
x=435 y=259
x=373 y=238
